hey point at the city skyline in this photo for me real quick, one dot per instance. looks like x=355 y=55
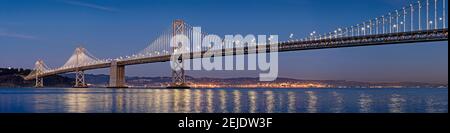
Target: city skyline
x=107 y=26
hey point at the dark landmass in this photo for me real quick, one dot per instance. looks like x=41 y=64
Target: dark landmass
x=12 y=77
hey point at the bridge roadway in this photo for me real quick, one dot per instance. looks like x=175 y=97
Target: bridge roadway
x=340 y=42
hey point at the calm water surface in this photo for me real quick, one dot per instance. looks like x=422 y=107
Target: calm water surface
x=102 y=100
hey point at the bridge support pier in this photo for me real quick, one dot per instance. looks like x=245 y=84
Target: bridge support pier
x=39 y=82
x=39 y=69
x=117 y=76
x=79 y=80
x=178 y=77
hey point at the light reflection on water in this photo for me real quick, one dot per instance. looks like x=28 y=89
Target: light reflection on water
x=103 y=100
x=338 y=102
x=396 y=103
x=312 y=102
x=365 y=102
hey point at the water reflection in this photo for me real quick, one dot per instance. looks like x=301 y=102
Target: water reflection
x=396 y=103
x=237 y=101
x=365 y=103
x=165 y=99
x=292 y=102
x=434 y=104
x=252 y=98
x=74 y=102
x=269 y=101
x=430 y=104
x=312 y=102
x=338 y=102
x=187 y=100
x=222 y=100
x=209 y=95
x=176 y=100
x=197 y=101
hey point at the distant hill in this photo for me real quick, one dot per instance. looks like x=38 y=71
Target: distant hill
x=102 y=80
x=299 y=83
x=13 y=77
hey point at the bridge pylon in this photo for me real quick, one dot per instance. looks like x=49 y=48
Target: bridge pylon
x=178 y=75
x=39 y=83
x=39 y=70
x=79 y=74
x=79 y=80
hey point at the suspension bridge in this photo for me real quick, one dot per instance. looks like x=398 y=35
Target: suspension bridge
x=422 y=21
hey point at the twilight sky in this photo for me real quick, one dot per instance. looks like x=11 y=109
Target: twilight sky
x=52 y=29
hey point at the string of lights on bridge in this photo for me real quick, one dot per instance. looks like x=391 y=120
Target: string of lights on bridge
x=417 y=16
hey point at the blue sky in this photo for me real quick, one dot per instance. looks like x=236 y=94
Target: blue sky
x=51 y=29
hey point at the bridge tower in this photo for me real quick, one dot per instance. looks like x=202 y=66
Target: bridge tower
x=178 y=75
x=79 y=79
x=39 y=70
x=79 y=74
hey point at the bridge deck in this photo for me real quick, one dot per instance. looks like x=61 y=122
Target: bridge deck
x=341 y=42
